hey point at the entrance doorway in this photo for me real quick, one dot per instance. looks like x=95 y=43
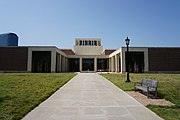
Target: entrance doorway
x=136 y=62
x=74 y=65
x=88 y=64
x=41 y=61
x=102 y=65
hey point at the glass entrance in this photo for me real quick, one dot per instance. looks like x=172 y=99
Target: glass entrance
x=74 y=65
x=88 y=64
x=102 y=65
x=136 y=62
x=41 y=61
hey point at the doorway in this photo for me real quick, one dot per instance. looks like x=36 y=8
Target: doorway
x=74 y=64
x=41 y=61
x=88 y=64
x=102 y=65
x=136 y=62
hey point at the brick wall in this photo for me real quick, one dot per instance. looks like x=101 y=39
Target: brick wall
x=13 y=58
x=164 y=59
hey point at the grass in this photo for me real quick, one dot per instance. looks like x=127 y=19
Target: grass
x=167 y=113
x=168 y=88
x=21 y=92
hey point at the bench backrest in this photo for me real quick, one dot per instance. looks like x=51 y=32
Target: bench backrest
x=149 y=83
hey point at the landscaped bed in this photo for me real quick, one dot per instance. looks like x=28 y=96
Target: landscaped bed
x=21 y=92
x=168 y=88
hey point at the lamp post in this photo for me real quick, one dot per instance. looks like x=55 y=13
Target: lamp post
x=127 y=40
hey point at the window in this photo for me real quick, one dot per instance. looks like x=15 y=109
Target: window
x=80 y=43
x=89 y=42
x=95 y=43
x=86 y=42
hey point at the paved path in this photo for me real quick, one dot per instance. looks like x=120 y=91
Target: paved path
x=89 y=96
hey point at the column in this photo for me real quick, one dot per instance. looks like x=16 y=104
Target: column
x=112 y=64
x=53 y=61
x=123 y=66
x=109 y=61
x=146 y=62
x=95 y=64
x=118 y=56
x=120 y=62
x=115 y=63
x=67 y=67
x=57 y=63
x=80 y=64
x=29 y=64
x=65 y=64
x=62 y=63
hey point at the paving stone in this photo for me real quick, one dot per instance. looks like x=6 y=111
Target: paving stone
x=116 y=111
x=93 y=111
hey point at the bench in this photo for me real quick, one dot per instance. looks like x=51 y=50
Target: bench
x=148 y=86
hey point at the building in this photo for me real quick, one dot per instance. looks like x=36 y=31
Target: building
x=8 y=39
x=88 y=54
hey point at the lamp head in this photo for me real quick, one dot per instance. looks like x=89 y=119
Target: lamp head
x=127 y=41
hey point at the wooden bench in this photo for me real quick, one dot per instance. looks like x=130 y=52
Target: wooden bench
x=148 y=86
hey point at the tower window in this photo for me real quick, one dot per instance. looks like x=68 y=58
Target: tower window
x=89 y=42
x=80 y=43
x=95 y=43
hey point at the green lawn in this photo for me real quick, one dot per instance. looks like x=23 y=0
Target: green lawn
x=168 y=88
x=21 y=92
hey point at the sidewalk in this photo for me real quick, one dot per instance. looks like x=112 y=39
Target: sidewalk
x=89 y=96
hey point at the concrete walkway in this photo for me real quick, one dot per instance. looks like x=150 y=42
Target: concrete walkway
x=89 y=96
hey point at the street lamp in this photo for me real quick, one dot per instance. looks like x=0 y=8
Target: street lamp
x=127 y=62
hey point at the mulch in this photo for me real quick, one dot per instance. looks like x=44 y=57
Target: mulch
x=145 y=101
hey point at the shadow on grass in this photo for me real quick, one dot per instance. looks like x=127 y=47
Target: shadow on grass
x=160 y=95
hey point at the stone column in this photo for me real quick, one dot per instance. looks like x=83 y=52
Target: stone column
x=146 y=62
x=57 y=63
x=29 y=64
x=64 y=62
x=112 y=64
x=118 y=56
x=53 y=61
x=123 y=66
x=60 y=64
x=115 y=63
x=109 y=62
x=67 y=65
x=80 y=64
x=95 y=64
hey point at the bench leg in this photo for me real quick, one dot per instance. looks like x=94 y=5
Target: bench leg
x=148 y=93
x=156 y=94
x=134 y=89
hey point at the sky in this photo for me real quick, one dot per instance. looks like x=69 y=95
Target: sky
x=148 y=23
